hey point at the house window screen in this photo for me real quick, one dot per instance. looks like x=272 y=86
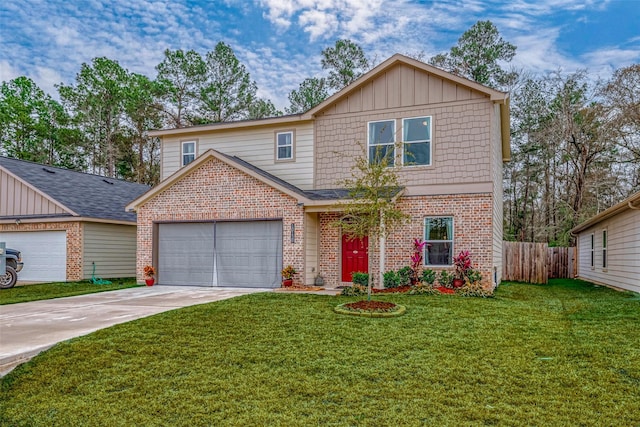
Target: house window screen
x=438 y=234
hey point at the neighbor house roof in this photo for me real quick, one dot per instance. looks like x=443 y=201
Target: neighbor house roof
x=79 y=194
x=631 y=202
x=306 y=197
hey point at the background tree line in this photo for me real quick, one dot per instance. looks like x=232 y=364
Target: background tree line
x=575 y=141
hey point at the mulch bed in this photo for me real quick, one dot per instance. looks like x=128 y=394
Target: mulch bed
x=444 y=290
x=300 y=288
x=370 y=305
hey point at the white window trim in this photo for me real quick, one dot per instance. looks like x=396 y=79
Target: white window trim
x=412 y=142
x=392 y=143
x=605 y=251
x=453 y=233
x=293 y=146
x=182 y=153
x=593 y=250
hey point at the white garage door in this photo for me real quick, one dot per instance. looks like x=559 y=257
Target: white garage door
x=246 y=253
x=44 y=254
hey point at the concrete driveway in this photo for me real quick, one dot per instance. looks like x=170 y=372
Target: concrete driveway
x=28 y=328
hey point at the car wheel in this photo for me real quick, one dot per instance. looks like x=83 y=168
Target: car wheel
x=8 y=279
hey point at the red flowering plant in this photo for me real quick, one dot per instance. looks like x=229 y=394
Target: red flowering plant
x=416 y=260
x=463 y=265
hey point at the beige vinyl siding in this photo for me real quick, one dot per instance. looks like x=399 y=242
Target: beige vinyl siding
x=311 y=241
x=399 y=87
x=17 y=198
x=623 y=251
x=255 y=145
x=498 y=206
x=112 y=248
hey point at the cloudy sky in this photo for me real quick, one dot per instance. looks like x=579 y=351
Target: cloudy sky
x=280 y=40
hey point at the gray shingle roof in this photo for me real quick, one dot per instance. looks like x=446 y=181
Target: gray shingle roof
x=88 y=195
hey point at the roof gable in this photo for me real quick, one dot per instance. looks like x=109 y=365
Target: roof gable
x=78 y=194
x=233 y=161
x=401 y=81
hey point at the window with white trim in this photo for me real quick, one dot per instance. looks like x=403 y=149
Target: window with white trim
x=604 y=248
x=381 y=142
x=593 y=250
x=188 y=152
x=416 y=138
x=438 y=234
x=284 y=145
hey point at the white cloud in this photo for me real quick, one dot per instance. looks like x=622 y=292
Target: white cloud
x=7 y=71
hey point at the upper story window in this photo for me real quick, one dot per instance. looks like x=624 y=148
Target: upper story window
x=416 y=137
x=284 y=145
x=188 y=152
x=438 y=234
x=381 y=141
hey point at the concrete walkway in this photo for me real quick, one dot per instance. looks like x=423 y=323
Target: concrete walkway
x=28 y=328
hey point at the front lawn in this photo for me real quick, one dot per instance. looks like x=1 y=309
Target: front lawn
x=562 y=354
x=42 y=291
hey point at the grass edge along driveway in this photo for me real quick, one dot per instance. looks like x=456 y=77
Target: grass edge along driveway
x=561 y=354
x=44 y=291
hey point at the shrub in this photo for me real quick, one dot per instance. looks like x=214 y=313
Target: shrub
x=423 y=290
x=359 y=278
x=404 y=275
x=445 y=279
x=353 y=291
x=428 y=277
x=391 y=279
x=474 y=276
x=475 y=289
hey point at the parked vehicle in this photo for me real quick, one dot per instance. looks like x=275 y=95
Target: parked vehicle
x=9 y=277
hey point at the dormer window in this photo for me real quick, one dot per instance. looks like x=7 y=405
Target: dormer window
x=188 y=152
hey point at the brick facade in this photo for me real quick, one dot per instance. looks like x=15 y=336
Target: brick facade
x=217 y=191
x=473 y=231
x=74 y=231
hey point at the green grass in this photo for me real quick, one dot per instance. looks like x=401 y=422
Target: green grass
x=563 y=354
x=43 y=291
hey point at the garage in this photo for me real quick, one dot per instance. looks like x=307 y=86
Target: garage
x=225 y=253
x=44 y=254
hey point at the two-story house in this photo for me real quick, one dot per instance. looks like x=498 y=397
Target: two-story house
x=238 y=201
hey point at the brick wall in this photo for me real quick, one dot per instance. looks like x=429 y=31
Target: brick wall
x=74 y=231
x=217 y=191
x=473 y=231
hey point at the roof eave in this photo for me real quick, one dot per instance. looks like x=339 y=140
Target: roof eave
x=229 y=125
x=627 y=204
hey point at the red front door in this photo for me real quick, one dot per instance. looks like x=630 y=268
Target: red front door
x=354 y=257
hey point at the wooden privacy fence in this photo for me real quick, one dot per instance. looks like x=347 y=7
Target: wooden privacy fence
x=536 y=262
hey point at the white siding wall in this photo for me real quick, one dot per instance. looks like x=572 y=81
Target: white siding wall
x=254 y=145
x=623 y=252
x=112 y=248
x=498 y=235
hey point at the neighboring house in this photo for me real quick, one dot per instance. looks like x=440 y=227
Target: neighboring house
x=238 y=201
x=65 y=222
x=609 y=246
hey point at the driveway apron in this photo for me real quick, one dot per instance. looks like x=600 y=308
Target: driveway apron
x=28 y=328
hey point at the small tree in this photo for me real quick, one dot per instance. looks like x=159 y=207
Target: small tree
x=371 y=209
